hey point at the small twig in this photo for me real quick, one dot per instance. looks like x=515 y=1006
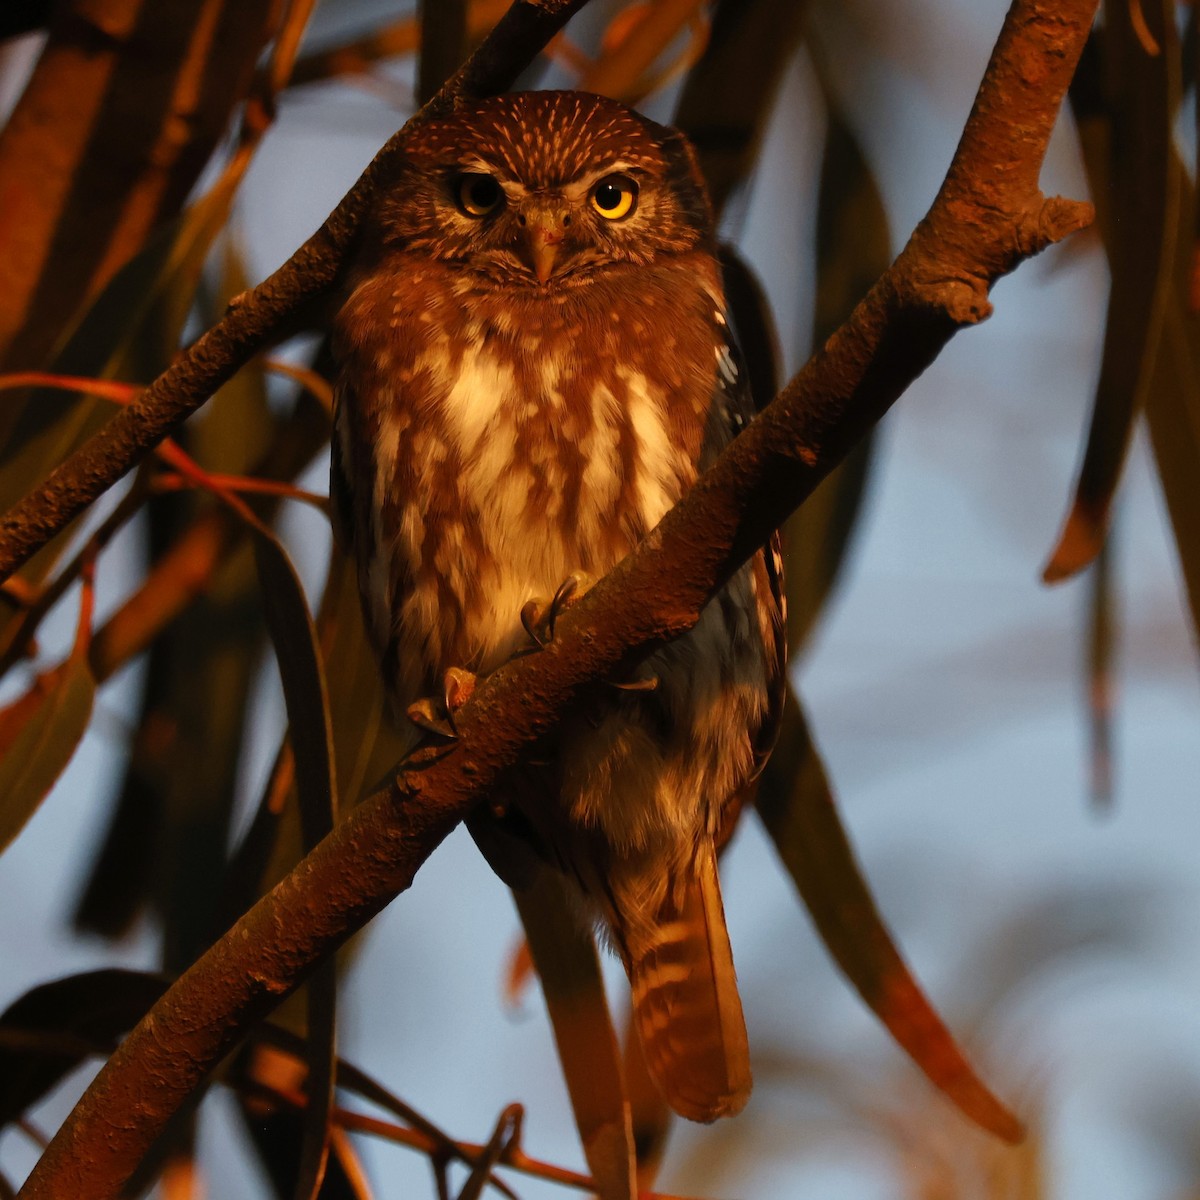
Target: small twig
x=240 y=485
x=314 y=383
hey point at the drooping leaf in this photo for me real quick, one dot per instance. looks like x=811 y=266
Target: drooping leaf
x=853 y=250
x=650 y=1115
x=301 y=670
x=1101 y=687
x=443 y=44
x=38 y=736
x=40 y=731
x=1173 y=414
x=569 y=969
x=725 y=102
x=1130 y=157
x=797 y=807
x=131 y=331
x=53 y=1027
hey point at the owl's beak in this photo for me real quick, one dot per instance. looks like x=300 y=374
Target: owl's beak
x=544 y=232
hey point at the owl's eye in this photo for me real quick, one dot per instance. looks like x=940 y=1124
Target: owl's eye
x=615 y=196
x=479 y=195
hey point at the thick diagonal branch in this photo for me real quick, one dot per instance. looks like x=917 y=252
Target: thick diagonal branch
x=988 y=216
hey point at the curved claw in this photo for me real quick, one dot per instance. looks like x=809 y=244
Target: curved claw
x=531 y=612
x=437 y=717
x=637 y=685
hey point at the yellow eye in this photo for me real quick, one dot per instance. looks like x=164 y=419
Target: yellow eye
x=615 y=197
x=479 y=195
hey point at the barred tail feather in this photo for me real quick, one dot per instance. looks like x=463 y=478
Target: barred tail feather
x=686 y=1006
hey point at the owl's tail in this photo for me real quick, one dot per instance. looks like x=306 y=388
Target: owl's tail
x=685 y=1002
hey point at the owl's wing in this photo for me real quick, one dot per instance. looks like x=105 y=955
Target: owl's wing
x=732 y=410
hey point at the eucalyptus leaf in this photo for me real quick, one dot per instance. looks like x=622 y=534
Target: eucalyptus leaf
x=797 y=807
x=39 y=734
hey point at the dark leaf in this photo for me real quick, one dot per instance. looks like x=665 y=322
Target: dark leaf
x=728 y=94
x=61 y=1024
x=311 y=735
x=443 y=43
x=1173 y=414
x=569 y=968
x=649 y=1112
x=1131 y=160
x=853 y=250
x=506 y=1134
x=1101 y=687
x=38 y=736
x=797 y=807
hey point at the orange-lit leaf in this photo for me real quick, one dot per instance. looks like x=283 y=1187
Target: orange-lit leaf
x=1131 y=157
x=40 y=731
x=649 y=1112
x=797 y=807
x=569 y=969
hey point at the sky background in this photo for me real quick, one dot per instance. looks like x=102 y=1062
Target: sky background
x=945 y=687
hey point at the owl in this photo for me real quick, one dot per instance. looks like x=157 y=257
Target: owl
x=534 y=366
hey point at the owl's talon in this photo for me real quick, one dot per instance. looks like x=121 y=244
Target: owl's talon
x=428 y=714
x=531 y=614
x=573 y=588
x=538 y=617
x=437 y=716
x=637 y=685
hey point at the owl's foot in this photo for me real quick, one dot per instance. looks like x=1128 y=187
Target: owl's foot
x=436 y=714
x=539 y=617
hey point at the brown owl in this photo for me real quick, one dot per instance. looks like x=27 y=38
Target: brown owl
x=535 y=365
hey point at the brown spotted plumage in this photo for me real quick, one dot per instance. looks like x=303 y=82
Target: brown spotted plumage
x=534 y=367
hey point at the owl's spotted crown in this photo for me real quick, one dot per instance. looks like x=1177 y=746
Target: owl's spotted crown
x=546 y=138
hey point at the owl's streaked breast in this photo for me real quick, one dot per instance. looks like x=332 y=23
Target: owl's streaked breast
x=512 y=443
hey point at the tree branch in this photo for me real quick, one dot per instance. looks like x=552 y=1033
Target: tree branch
x=255 y=317
x=988 y=216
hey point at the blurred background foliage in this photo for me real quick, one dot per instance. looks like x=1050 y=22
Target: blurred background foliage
x=158 y=625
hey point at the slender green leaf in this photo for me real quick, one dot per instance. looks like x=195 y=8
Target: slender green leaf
x=38 y=736
x=1131 y=159
x=797 y=807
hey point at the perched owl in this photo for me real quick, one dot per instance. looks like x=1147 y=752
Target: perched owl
x=534 y=366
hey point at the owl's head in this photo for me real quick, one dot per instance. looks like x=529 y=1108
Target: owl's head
x=545 y=189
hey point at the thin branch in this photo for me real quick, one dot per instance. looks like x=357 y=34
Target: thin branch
x=264 y=311
x=988 y=217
